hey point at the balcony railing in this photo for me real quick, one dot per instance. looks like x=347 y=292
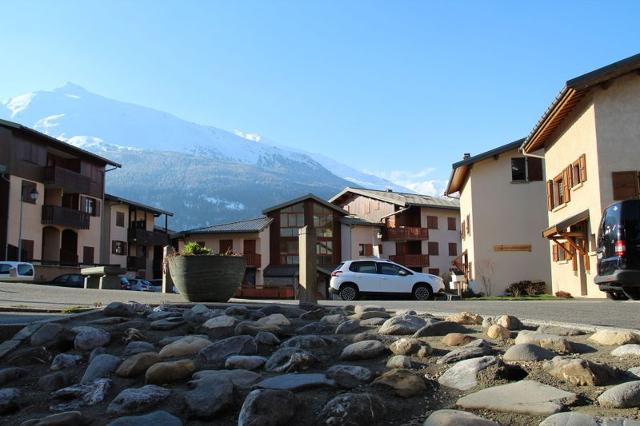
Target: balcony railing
x=406 y=233
x=63 y=216
x=254 y=260
x=136 y=262
x=411 y=260
x=70 y=181
x=147 y=238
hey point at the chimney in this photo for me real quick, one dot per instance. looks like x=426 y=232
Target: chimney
x=466 y=156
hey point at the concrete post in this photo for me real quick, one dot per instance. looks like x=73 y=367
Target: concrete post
x=308 y=266
x=167 y=282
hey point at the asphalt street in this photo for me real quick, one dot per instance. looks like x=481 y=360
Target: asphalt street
x=595 y=312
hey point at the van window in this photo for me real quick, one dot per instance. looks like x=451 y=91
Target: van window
x=630 y=219
x=5 y=268
x=389 y=269
x=363 y=267
x=25 y=270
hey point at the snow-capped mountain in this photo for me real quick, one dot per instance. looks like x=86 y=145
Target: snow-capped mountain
x=243 y=172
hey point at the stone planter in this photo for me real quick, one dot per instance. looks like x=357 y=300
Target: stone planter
x=207 y=278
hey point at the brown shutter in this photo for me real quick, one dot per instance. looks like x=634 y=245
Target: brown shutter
x=534 y=166
x=468 y=224
x=555 y=252
x=567 y=184
x=368 y=249
x=549 y=195
x=625 y=185
x=113 y=247
x=583 y=168
x=97 y=212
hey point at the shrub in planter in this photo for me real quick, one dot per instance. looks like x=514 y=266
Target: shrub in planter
x=204 y=277
x=530 y=288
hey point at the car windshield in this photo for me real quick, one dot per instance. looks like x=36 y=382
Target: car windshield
x=25 y=270
x=5 y=268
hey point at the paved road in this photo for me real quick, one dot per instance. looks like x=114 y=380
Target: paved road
x=596 y=312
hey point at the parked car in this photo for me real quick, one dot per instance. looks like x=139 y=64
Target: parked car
x=353 y=278
x=619 y=250
x=16 y=271
x=125 y=284
x=139 y=284
x=68 y=280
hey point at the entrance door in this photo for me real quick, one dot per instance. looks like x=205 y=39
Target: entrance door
x=69 y=247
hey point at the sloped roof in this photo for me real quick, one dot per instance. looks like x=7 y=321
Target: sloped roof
x=154 y=210
x=302 y=198
x=402 y=199
x=571 y=94
x=460 y=170
x=242 y=226
x=357 y=220
x=57 y=143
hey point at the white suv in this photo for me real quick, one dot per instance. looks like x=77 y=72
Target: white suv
x=16 y=271
x=354 y=277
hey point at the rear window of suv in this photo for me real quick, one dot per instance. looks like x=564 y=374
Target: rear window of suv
x=363 y=267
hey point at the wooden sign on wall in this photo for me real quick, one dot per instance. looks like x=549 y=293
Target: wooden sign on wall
x=512 y=247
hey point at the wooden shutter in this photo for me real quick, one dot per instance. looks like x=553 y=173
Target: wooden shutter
x=468 y=224
x=625 y=185
x=451 y=223
x=433 y=248
x=567 y=184
x=555 y=252
x=113 y=247
x=453 y=249
x=534 y=166
x=549 y=195
x=583 y=167
x=368 y=249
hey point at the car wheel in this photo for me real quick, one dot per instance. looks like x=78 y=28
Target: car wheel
x=422 y=292
x=348 y=292
x=616 y=295
x=632 y=293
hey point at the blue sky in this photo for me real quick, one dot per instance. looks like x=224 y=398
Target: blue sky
x=400 y=88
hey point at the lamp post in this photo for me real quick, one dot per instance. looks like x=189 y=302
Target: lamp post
x=33 y=196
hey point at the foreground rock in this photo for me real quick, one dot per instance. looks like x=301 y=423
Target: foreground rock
x=583 y=419
x=258 y=408
x=475 y=349
x=581 y=372
x=496 y=331
x=215 y=354
x=59 y=419
x=185 y=346
x=457 y=339
x=465 y=318
x=137 y=364
x=509 y=322
x=134 y=400
x=169 y=372
x=440 y=328
x=353 y=409
x=408 y=346
x=88 y=338
x=548 y=341
x=9 y=374
x=404 y=383
x=349 y=376
x=78 y=396
x=627 y=350
x=614 y=337
x=462 y=376
x=102 y=366
x=241 y=379
x=527 y=352
x=456 y=418
x=402 y=325
x=9 y=399
x=286 y=360
x=156 y=418
x=365 y=349
x=245 y=362
x=211 y=394
x=526 y=397
x=625 y=395
x=294 y=382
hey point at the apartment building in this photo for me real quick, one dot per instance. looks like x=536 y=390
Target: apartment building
x=501 y=207
x=51 y=198
x=420 y=232
x=589 y=140
x=247 y=237
x=135 y=236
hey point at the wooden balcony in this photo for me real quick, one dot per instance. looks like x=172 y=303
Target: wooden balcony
x=254 y=260
x=68 y=180
x=65 y=217
x=411 y=260
x=147 y=238
x=136 y=263
x=406 y=233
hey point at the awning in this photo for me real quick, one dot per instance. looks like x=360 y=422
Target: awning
x=559 y=229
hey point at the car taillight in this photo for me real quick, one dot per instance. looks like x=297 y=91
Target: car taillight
x=336 y=273
x=620 y=248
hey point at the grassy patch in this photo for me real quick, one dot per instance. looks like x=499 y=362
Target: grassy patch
x=74 y=309
x=538 y=297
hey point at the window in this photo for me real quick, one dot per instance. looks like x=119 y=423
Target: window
x=323 y=222
x=27 y=250
x=625 y=185
x=25 y=270
x=363 y=267
x=119 y=247
x=579 y=171
x=120 y=219
x=560 y=254
x=27 y=189
x=291 y=218
x=451 y=223
x=289 y=251
x=34 y=153
x=432 y=222
x=90 y=206
x=87 y=255
x=226 y=247
x=5 y=268
x=389 y=269
x=560 y=188
x=324 y=252
x=526 y=169
x=434 y=271
x=453 y=249
x=434 y=248
x=365 y=249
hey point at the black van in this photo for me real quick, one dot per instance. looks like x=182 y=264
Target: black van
x=619 y=250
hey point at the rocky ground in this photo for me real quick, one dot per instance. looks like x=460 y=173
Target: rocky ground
x=130 y=364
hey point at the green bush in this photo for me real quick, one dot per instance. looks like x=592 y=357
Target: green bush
x=194 y=249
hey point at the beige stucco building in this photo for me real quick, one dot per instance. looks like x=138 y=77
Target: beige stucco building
x=421 y=232
x=502 y=211
x=590 y=140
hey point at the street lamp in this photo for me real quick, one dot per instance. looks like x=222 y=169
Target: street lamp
x=33 y=196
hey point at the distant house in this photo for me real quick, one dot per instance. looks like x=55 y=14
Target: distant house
x=59 y=189
x=501 y=205
x=132 y=239
x=421 y=232
x=589 y=137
